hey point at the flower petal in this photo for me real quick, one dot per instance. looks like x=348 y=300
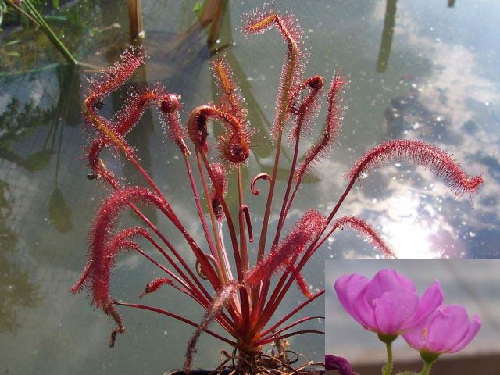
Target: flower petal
x=447 y=327
x=473 y=330
x=430 y=301
x=393 y=309
x=416 y=337
x=385 y=281
x=347 y=288
x=364 y=311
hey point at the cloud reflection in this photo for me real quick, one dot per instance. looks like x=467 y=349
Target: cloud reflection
x=450 y=104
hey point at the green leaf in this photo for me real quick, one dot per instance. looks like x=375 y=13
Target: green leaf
x=38 y=161
x=3 y=9
x=56 y=18
x=13 y=54
x=55 y=4
x=11 y=43
x=60 y=212
x=197 y=8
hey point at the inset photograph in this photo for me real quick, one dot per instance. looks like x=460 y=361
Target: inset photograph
x=423 y=317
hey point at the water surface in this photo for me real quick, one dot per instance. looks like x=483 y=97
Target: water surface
x=433 y=77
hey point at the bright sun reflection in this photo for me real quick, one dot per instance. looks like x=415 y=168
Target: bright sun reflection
x=406 y=234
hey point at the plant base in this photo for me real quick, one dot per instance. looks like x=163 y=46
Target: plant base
x=231 y=372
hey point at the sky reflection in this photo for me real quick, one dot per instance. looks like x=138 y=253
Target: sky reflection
x=440 y=85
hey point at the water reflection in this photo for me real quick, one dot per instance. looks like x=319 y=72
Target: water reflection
x=387 y=34
x=59 y=211
x=443 y=91
x=17 y=290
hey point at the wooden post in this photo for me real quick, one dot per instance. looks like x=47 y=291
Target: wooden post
x=135 y=20
x=212 y=14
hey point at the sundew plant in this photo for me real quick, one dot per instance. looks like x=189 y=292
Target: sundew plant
x=242 y=272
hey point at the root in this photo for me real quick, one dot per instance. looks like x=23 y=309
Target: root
x=278 y=361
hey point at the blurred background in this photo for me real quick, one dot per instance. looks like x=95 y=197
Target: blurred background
x=418 y=69
x=471 y=283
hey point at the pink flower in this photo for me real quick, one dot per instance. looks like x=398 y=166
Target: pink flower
x=446 y=330
x=388 y=304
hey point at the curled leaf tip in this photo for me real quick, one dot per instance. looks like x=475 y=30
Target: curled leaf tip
x=260 y=176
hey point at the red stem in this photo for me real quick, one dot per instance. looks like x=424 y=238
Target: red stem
x=241 y=221
x=205 y=295
x=229 y=220
x=180 y=318
x=233 y=309
x=176 y=254
x=280 y=290
x=301 y=332
x=291 y=313
x=221 y=266
x=166 y=208
x=302 y=320
x=198 y=207
x=283 y=214
x=203 y=302
x=245 y=307
x=287 y=203
x=166 y=270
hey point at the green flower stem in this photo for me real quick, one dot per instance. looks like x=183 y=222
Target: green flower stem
x=387 y=339
x=388 y=366
x=427 y=368
x=429 y=359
